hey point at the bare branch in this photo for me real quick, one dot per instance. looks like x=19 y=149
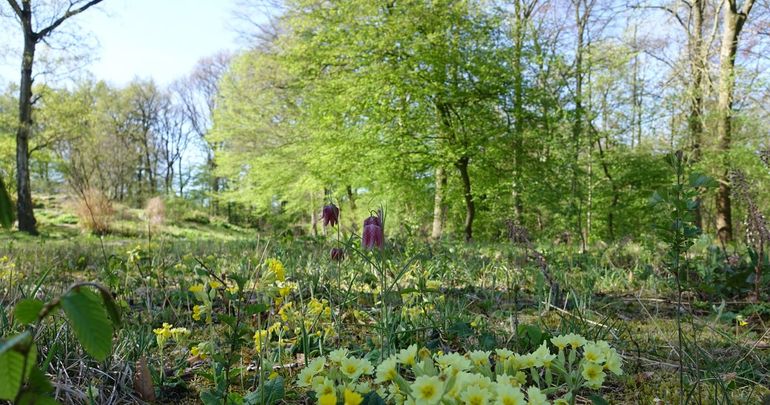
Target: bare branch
x=70 y=13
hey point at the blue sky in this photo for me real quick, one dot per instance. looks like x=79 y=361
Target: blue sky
x=159 y=39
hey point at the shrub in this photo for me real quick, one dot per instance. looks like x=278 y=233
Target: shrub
x=155 y=212
x=94 y=211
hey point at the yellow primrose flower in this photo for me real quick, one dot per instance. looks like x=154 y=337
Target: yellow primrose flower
x=613 y=362
x=454 y=361
x=475 y=395
x=234 y=289
x=503 y=353
x=575 y=340
x=561 y=341
x=479 y=358
x=215 y=284
x=593 y=374
x=352 y=398
x=328 y=399
x=386 y=371
x=353 y=368
x=593 y=353
x=338 y=355
x=427 y=390
x=408 y=356
x=323 y=386
x=508 y=395
x=536 y=397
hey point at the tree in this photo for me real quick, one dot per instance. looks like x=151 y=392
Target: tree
x=37 y=23
x=733 y=19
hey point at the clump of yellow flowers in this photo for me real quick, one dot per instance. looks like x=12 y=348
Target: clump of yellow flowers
x=417 y=376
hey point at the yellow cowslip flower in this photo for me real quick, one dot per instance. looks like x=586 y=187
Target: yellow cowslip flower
x=284 y=291
x=196 y=288
x=233 y=289
x=274 y=328
x=408 y=356
x=352 y=398
x=215 y=284
x=593 y=374
x=261 y=339
x=328 y=399
x=427 y=390
x=162 y=334
x=196 y=312
x=276 y=267
x=179 y=333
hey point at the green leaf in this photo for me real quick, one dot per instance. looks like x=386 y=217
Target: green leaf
x=269 y=393
x=372 y=398
x=20 y=341
x=27 y=310
x=85 y=311
x=597 y=399
x=12 y=370
x=6 y=207
x=209 y=398
x=112 y=307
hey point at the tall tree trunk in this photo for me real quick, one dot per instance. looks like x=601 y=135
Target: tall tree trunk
x=732 y=24
x=25 y=212
x=697 y=67
x=439 y=207
x=518 y=110
x=470 y=207
x=581 y=20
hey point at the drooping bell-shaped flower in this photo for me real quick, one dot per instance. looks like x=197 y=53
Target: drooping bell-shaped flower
x=330 y=215
x=373 y=235
x=337 y=254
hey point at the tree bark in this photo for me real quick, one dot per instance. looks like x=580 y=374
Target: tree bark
x=470 y=207
x=24 y=208
x=439 y=208
x=732 y=24
x=23 y=11
x=697 y=68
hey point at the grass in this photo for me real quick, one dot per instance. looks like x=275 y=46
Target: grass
x=451 y=297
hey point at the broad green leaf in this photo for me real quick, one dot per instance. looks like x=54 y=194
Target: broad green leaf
x=269 y=393
x=86 y=313
x=11 y=370
x=112 y=307
x=26 y=310
x=20 y=341
x=6 y=207
x=12 y=373
x=597 y=399
x=372 y=398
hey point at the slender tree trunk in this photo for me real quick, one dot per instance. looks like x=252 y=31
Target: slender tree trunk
x=518 y=111
x=732 y=23
x=438 y=204
x=697 y=67
x=470 y=207
x=25 y=211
